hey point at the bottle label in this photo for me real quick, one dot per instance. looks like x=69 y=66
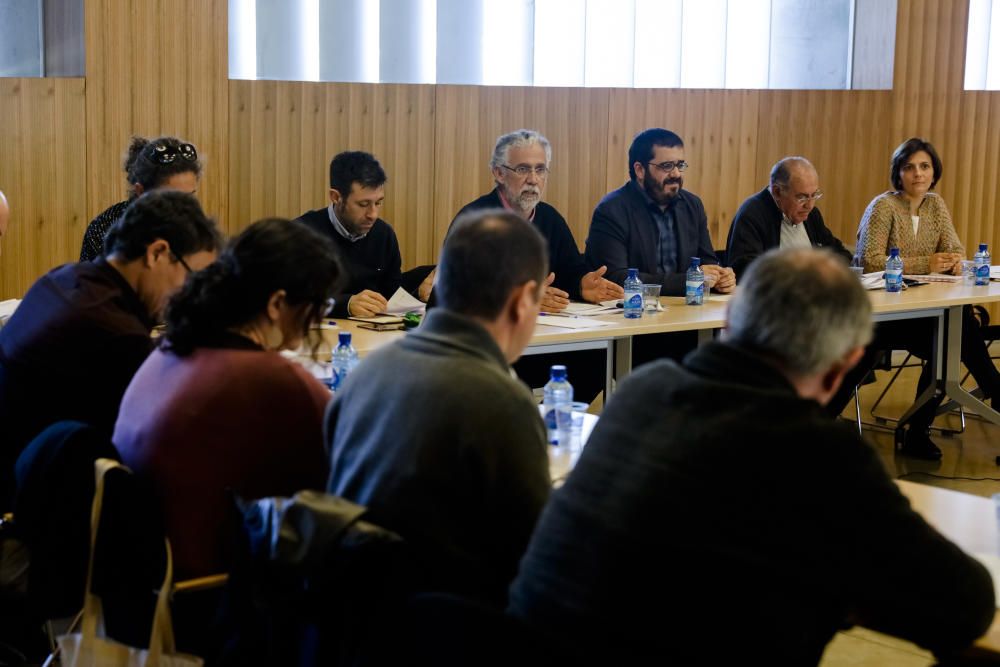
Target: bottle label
x=634 y=301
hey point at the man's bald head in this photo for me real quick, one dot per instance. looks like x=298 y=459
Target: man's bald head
x=795 y=187
x=4 y=217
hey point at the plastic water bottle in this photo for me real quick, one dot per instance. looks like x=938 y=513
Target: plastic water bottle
x=558 y=406
x=694 y=284
x=633 y=295
x=893 y=271
x=982 y=262
x=342 y=361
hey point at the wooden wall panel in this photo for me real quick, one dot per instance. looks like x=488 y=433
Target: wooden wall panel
x=470 y=118
x=719 y=129
x=156 y=67
x=843 y=133
x=285 y=133
x=42 y=171
x=928 y=100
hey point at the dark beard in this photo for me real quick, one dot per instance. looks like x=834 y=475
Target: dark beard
x=657 y=193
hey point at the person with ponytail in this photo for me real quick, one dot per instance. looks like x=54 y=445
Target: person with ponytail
x=216 y=409
x=150 y=164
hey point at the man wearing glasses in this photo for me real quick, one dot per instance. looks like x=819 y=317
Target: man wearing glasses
x=784 y=214
x=652 y=223
x=520 y=167
x=75 y=341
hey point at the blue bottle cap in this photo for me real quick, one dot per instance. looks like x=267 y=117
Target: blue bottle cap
x=983 y=246
x=695 y=261
x=558 y=372
x=344 y=337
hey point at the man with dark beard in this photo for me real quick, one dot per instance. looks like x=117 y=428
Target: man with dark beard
x=652 y=223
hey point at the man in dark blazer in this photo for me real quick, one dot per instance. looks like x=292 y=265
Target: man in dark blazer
x=784 y=214
x=652 y=223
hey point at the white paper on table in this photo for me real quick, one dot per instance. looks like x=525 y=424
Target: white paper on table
x=402 y=302
x=7 y=309
x=874 y=280
x=994 y=273
x=575 y=308
x=933 y=277
x=571 y=322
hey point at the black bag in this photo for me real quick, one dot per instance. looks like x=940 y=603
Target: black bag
x=314 y=584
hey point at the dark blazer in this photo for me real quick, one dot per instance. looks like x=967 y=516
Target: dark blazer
x=757 y=228
x=624 y=235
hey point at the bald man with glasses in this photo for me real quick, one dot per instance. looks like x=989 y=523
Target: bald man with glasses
x=783 y=214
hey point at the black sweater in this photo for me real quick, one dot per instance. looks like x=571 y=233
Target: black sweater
x=732 y=507
x=757 y=228
x=564 y=255
x=371 y=263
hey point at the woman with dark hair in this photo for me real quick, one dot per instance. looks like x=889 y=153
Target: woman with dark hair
x=216 y=408
x=165 y=162
x=915 y=220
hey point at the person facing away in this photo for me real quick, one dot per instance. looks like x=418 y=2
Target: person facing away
x=82 y=330
x=520 y=169
x=718 y=491
x=651 y=223
x=367 y=244
x=150 y=164
x=215 y=408
x=435 y=435
x=782 y=215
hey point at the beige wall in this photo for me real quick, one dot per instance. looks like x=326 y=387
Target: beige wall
x=159 y=66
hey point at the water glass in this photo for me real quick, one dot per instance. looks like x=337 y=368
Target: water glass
x=968 y=272
x=651 y=296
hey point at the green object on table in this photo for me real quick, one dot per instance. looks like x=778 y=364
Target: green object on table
x=411 y=320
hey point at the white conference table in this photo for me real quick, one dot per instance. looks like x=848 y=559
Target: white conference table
x=942 y=302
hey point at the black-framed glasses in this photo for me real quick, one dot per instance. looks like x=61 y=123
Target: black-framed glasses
x=169 y=153
x=680 y=165
x=524 y=170
x=180 y=259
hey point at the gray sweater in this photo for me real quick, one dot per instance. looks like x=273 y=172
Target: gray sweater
x=446 y=448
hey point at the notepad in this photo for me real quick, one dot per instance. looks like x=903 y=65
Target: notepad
x=572 y=322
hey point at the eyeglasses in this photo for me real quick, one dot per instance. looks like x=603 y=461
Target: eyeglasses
x=680 y=165
x=168 y=153
x=180 y=259
x=802 y=199
x=524 y=170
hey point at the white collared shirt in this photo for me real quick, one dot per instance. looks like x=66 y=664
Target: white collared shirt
x=792 y=235
x=339 y=226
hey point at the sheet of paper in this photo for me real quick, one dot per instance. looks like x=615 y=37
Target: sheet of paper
x=7 y=309
x=873 y=281
x=934 y=277
x=575 y=308
x=402 y=302
x=572 y=322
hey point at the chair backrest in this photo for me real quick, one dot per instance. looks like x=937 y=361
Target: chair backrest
x=314 y=583
x=54 y=487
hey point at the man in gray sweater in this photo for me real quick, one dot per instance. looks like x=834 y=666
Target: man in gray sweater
x=436 y=435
